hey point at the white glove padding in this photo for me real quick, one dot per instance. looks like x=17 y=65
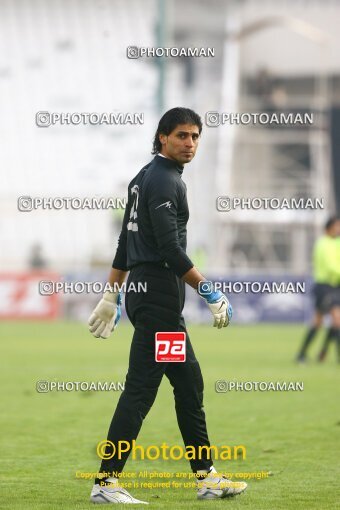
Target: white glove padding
x=106 y=315
x=221 y=311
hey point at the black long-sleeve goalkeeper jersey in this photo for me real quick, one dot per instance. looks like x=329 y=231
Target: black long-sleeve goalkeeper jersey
x=155 y=219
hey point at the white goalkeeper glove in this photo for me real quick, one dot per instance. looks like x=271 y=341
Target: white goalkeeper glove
x=218 y=304
x=106 y=315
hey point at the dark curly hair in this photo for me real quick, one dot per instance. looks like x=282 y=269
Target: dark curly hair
x=170 y=121
x=330 y=222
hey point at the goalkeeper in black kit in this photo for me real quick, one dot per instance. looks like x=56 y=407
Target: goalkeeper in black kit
x=152 y=248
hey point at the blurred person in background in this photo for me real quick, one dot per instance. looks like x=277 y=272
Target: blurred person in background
x=152 y=246
x=334 y=331
x=326 y=271
x=36 y=258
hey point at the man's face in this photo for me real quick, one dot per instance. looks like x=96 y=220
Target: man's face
x=181 y=144
x=334 y=230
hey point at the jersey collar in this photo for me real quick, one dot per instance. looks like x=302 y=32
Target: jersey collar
x=169 y=163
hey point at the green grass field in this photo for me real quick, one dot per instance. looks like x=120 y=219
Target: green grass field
x=47 y=437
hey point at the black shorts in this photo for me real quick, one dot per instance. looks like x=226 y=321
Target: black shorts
x=326 y=297
x=336 y=296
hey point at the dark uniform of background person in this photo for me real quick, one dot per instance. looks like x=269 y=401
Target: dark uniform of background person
x=152 y=246
x=326 y=270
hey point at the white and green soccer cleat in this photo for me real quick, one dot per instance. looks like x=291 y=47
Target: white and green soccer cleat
x=214 y=486
x=104 y=494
